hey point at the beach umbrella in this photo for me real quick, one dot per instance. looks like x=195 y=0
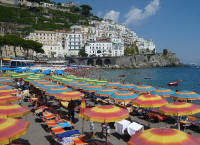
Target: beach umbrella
x=105 y=114
x=53 y=91
x=163 y=136
x=92 y=88
x=11 y=129
x=71 y=83
x=32 y=78
x=8 y=99
x=91 y=81
x=126 y=87
x=101 y=82
x=162 y=92
x=80 y=85
x=7 y=91
x=149 y=101
x=114 y=85
x=143 y=89
x=105 y=92
x=179 y=109
x=2 y=87
x=12 y=110
x=5 y=80
x=45 y=87
x=185 y=95
x=124 y=96
x=69 y=95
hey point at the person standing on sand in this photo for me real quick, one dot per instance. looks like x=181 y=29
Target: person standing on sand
x=71 y=107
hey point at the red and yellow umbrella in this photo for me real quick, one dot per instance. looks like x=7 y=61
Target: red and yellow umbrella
x=163 y=136
x=69 y=95
x=179 y=109
x=8 y=99
x=185 y=95
x=105 y=113
x=114 y=85
x=8 y=92
x=12 y=110
x=149 y=101
x=143 y=89
x=92 y=88
x=80 y=85
x=11 y=129
x=82 y=107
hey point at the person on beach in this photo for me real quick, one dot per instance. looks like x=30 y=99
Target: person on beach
x=91 y=129
x=71 y=107
x=20 y=95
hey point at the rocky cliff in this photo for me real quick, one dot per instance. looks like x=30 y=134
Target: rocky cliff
x=166 y=59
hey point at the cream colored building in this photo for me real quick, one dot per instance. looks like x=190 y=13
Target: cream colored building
x=11 y=2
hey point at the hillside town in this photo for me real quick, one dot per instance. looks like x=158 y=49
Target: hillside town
x=100 y=38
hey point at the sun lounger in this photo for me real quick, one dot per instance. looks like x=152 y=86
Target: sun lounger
x=68 y=133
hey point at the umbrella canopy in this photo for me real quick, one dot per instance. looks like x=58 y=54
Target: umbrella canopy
x=179 y=109
x=7 y=91
x=163 y=136
x=126 y=87
x=101 y=82
x=53 y=91
x=71 y=83
x=149 y=101
x=113 y=85
x=124 y=96
x=143 y=88
x=69 y=95
x=12 y=110
x=162 y=92
x=2 y=87
x=46 y=87
x=11 y=129
x=8 y=99
x=185 y=95
x=80 y=85
x=105 y=113
x=4 y=80
x=92 y=88
x=105 y=92
x=91 y=81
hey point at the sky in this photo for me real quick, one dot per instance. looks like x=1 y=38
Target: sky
x=171 y=24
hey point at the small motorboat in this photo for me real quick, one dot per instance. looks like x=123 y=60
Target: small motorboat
x=122 y=75
x=173 y=84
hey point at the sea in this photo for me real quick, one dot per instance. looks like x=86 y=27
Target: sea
x=188 y=76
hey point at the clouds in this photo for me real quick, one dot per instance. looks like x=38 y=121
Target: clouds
x=112 y=15
x=135 y=16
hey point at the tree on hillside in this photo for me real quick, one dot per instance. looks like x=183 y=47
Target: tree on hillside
x=13 y=40
x=85 y=10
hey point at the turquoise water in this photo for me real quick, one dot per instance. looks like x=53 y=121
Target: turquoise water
x=157 y=77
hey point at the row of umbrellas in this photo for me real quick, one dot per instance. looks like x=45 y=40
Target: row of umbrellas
x=11 y=128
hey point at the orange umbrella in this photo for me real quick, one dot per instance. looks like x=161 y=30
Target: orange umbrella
x=12 y=110
x=11 y=129
x=69 y=95
x=8 y=99
x=149 y=101
x=7 y=91
x=163 y=136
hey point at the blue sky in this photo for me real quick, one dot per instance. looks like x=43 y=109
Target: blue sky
x=172 y=24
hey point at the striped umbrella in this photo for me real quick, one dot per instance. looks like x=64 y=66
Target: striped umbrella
x=114 y=85
x=92 y=88
x=69 y=95
x=101 y=82
x=11 y=129
x=12 y=110
x=149 y=101
x=143 y=89
x=106 y=113
x=125 y=96
x=126 y=87
x=162 y=92
x=2 y=87
x=92 y=81
x=71 y=83
x=179 y=109
x=46 y=87
x=185 y=95
x=8 y=99
x=80 y=85
x=105 y=92
x=7 y=92
x=53 y=91
x=82 y=107
x=163 y=136
x=4 y=80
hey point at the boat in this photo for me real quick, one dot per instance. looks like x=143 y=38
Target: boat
x=122 y=75
x=173 y=84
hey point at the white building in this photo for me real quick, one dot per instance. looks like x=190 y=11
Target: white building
x=68 y=4
x=52 y=45
x=11 y=2
x=145 y=45
x=74 y=43
x=46 y=5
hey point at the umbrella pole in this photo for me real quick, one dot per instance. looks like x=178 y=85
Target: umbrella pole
x=82 y=125
x=106 y=136
x=178 y=123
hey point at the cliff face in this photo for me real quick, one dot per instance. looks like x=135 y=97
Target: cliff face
x=142 y=61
